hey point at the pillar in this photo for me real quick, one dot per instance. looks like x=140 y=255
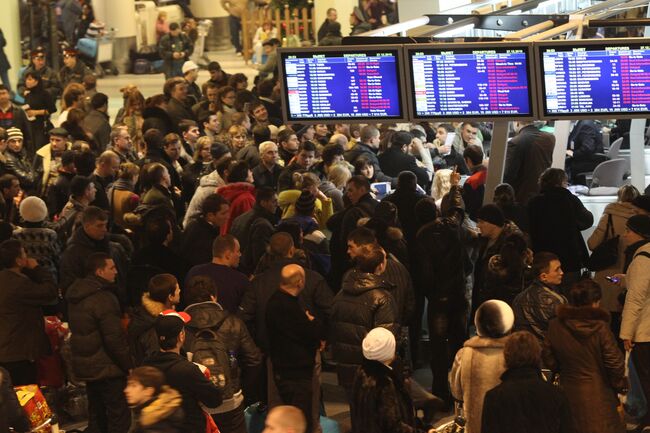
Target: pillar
x=10 y=25
x=119 y=15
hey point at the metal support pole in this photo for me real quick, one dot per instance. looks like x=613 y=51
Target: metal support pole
x=497 y=159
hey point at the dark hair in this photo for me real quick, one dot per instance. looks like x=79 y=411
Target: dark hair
x=522 y=349
x=265 y=88
x=407 y=181
x=67 y=157
x=10 y=251
x=154 y=173
x=224 y=165
x=70 y=96
x=236 y=79
x=472 y=124
x=3 y=87
x=447 y=127
x=222 y=244
x=253 y=105
x=98 y=100
x=241 y=98
x=96 y=261
x=213 y=204
x=156 y=231
x=36 y=76
x=84 y=162
x=280 y=244
x=542 y=262
x=552 y=177
x=474 y=153
x=584 y=292
x=223 y=92
x=199 y=288
x=261 y=134
x=153 y=139
x=418 y=133
x=185 y=125
x=148 y=377
x=504 y=195
x=359 y=182
x=92 y=214
x=78 y=185
x=170 y=86
x=360 y=163
x=285 y=135
x=237 y=171
x=6 y=180
x=370 y=257
x=512 y=254
x=307 y=146
x=174 y=26
x=330 y=152
x=265 y=193
x=292 y=228
x=171 y=138
x=161 y=286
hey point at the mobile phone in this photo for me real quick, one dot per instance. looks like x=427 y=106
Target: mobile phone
x=612 y=279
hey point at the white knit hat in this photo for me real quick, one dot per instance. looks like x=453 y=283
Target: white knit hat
x=379 y=345
x=33 y=210
x=189 y=66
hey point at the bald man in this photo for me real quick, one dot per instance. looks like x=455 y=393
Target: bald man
x=294 y=337
x=285 y=419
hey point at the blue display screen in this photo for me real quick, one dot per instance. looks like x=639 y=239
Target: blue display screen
x=342 y=85
x=594 y=79
x=470 y=82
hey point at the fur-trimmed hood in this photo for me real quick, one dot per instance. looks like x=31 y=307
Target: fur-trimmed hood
x=582 y=321
x=477 y=342
x=167 y=402
x=152 y=307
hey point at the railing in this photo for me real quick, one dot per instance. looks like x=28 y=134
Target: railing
x=295 y=26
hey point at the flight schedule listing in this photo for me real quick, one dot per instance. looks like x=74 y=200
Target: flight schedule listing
x=354 y=85
x=596 y=80
x=471 y=83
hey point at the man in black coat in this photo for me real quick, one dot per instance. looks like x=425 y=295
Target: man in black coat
x=26 y=288
x=529 y=153
x=196 y=244
x=585 y=143
x=524 y=401
x=368 y=146
x=362 y=205
x=396 y=159
x=181 y=374
x=294 y=337
x=176 y=91
x=100 y=353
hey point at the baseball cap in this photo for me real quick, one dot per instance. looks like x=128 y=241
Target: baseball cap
x=170 y=323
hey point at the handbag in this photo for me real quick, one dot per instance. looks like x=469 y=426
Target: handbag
x=605 y=254
x=458 y=423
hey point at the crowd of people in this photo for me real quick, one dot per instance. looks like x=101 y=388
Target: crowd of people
x=206 y=256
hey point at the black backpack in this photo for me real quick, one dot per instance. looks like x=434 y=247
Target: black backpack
x=209 y=349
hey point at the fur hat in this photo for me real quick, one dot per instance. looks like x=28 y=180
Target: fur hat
x=33 y=210
x=379 y=345
x=494 y=319
x=490 y=213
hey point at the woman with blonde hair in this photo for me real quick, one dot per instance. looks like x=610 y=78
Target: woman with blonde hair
x=337 y=177
x=287 y=200
x=441 y=185
x=237 y=138
x=132 y=119
x=201 y=165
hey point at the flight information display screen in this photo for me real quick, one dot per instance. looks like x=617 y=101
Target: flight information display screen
x=605 y=79
x=344 y=84
x=470 y=82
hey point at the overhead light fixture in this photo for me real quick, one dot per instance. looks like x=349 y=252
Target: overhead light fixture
x=456 y=31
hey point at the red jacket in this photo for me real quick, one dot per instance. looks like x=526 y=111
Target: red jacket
x=241 y=196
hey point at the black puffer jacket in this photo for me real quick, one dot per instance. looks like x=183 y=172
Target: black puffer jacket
x=98 y=343
x=141 y=333
x=535 y=307
x=364 y=303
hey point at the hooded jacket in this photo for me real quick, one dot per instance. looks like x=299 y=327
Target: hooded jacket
x=98 y=342
x=207 y=186
x=234 y=336
x=636 y=312
x=192 y=384
x=163 y=414
x=364 y=303
x=477 y=368
x=253 y=230
x=140 y=332
x=241 y=196
x=580 y=346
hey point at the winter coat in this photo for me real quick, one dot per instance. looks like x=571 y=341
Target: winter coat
x=535 y=307
x=157 y=118
x=316 y=295
x=49 y=80
x=333 y=193
x=556 y=219
x=11 y=412
x=18 y=119
x=474 y=190
x=525 y=403
x=41 y=166
x=178 y=112
x=241 y=196
x=405 y=201
x=394 y=161
x=503 y=283
x=194 y=387
x=635 y=325
x=40 y=243
x=362 y=149
x=162 y=414
x=364 y=303
x=207 y=185
x=580 y=346
x=620 y=213
x=96 y=122
x=253 y=230
x=18 y=165
x=69 y=219
x=477 y=368
x=196 y=244
x=529 y=153
x=233 y=335
x=98 y=343
x=22 y=334
x=140 y=332
x=380 y=402
x=322 y=209
x=74 y=75
x=58 y=193
x=262 y=176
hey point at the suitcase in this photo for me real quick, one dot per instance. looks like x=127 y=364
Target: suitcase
x=142 y=66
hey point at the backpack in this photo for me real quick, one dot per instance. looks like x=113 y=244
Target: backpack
x=209 y=350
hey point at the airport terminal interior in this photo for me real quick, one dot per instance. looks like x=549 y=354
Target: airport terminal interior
x=311 y=216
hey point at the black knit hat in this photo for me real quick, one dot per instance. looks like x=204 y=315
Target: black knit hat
x=305 y=203
x=639 y=224
x=490 y=213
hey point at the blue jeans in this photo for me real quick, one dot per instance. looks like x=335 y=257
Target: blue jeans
x=235 y=28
